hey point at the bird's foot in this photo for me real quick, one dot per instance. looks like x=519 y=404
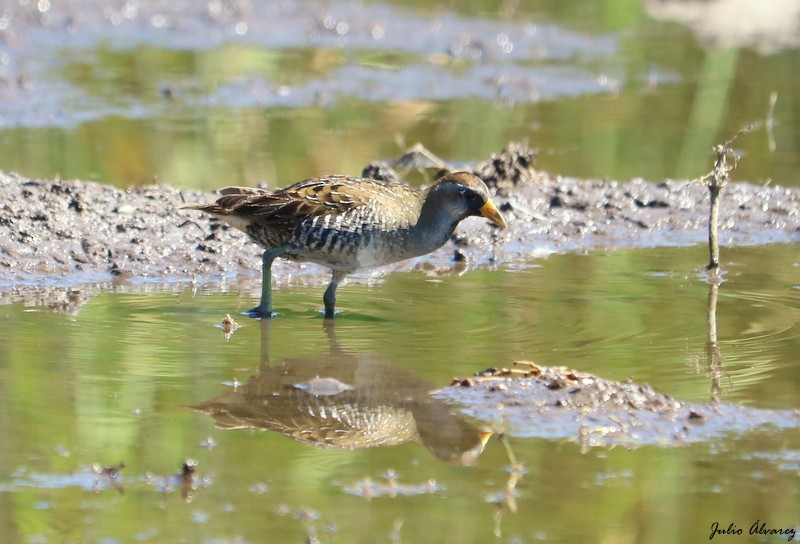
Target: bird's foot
x=259 y=312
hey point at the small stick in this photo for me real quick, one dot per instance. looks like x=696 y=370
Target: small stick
x=715 y=181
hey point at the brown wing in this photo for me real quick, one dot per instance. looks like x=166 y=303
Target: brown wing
x=314 y=197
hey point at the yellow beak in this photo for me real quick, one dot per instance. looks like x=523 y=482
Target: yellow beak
x=490 y=212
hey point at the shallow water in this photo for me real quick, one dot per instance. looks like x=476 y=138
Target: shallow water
x=115 y=383
x=141 y=373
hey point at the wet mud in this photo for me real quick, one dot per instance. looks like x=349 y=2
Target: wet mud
x=60 y=237
x=558 y=403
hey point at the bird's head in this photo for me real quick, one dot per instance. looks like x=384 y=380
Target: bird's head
x=463 y=194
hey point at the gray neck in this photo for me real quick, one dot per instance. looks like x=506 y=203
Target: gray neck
x=436 y=224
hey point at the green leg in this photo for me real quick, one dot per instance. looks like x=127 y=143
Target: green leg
x=330 y=293
x=264 y=309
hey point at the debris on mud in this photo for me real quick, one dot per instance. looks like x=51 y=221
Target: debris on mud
x=71 y=233
x=511 y=167
x=559 y=403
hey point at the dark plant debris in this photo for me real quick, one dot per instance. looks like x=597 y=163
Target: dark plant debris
x=558 y=402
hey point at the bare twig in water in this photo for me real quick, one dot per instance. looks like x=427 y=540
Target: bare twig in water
x=716 y=181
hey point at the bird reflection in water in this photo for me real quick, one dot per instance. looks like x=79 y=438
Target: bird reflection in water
x=344 y=400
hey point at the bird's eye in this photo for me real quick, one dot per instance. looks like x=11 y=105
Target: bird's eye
x=471 y=197
x=467 y=195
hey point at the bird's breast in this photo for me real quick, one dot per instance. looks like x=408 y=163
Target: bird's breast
x=334 y=242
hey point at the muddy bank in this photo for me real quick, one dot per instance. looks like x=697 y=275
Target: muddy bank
x=557 y=403
x=57 y=234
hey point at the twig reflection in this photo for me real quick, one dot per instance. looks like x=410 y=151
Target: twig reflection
x=506 y=498
x=713 y=356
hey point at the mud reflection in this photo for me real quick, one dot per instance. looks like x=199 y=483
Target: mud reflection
x=344 y=400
